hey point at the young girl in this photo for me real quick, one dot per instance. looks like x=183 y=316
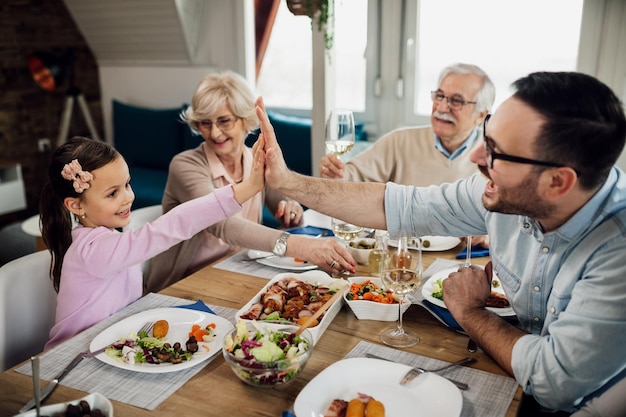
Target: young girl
x=96 y=269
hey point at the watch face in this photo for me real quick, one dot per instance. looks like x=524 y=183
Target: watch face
x=280 y=247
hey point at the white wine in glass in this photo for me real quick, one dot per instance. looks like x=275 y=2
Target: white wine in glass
x=345 y=231
x=340 y=134
x=401 y=272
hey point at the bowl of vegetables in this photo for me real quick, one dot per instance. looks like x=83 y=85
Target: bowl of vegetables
x=360 y=249
x=266 y=356
x=369 y=300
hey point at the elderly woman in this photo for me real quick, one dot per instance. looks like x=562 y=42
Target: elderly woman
x=222 y=111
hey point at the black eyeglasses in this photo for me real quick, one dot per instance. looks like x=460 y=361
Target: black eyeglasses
x=222 y=123
x=454 y=102
x=492 y=155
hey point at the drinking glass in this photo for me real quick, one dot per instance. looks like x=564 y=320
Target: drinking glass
x=339 y=134
x=401 y=272
x=345 y=231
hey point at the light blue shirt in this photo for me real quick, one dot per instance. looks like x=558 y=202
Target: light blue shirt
x=469 y=142
x=567 y=287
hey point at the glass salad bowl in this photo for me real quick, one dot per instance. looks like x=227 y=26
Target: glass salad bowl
x=266 y=356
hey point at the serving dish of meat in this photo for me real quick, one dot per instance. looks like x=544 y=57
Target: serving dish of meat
x=292 y=298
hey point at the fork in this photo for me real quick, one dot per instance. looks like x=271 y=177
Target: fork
x=146 y=327
x=416 y=371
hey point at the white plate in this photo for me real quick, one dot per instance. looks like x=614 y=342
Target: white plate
x=95 y=400
x=316 y=277
x=281 y=262
x=427 y=292
x=180 y=321
x=427 y=395
x=440 y=243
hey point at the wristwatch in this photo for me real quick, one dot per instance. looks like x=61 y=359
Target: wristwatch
x=280 y=247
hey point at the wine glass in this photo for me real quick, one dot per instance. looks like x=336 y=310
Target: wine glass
x=401 y=272
x=345 y=231
x=468 y=252
x=339 y=135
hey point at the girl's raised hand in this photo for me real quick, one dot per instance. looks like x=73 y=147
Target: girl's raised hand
x=257 y=176
x=275 y=167
x=255 y=183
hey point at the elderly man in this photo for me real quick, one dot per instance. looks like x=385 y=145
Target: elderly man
x=554 y=206
x=427 y=155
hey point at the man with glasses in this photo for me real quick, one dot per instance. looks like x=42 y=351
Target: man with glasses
x=427 y=155
x=554 y=206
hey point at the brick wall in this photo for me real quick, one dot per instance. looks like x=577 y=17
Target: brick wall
x=28 y=113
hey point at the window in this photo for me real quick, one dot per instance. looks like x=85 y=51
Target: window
x=285 y=76
x=507 y=40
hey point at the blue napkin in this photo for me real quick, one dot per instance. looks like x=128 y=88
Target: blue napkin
x=198 y=305
x=477 y=252
x=443 y=315
x=311 y=231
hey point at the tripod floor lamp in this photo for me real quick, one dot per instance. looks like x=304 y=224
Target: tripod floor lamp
x=49 y=71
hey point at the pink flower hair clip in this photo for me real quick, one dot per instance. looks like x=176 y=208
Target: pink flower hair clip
x=74 y=172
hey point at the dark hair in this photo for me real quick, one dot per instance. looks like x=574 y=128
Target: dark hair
x=585 y=126
x=56 y=220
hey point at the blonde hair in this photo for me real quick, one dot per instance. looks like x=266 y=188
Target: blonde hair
x=219 y=90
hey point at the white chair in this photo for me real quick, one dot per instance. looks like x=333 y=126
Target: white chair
x=140 y=217
x=27 y=307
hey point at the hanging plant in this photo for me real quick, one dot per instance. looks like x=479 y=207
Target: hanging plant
x=320 y=9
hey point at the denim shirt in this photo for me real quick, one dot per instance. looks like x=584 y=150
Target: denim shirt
x=567 y=287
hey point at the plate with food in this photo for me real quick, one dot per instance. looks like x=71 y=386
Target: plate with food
x=88 y=405
x=290 y=298
x=497 y=302
x=376 y=380
x=281 y=262
x=439 y=243
x=149 y=353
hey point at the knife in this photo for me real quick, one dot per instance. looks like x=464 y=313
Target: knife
x=45 y=393
x=460 y=385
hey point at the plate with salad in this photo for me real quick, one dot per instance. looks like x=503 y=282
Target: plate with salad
x=433 y=292
x=145 y=353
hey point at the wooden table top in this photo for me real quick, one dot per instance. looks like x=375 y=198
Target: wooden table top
x=216 y=391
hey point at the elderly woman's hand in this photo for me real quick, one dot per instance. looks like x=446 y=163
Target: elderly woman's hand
x=327 y=253
x=289 y=213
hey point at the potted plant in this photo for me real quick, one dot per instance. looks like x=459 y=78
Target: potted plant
x=320 y=12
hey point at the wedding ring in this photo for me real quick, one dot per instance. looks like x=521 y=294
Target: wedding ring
x=293 y=214
x=333 y=263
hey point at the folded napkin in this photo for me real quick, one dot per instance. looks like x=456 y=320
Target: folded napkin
x=477 y=252
x=198 y=305
x=311 y=231
x=443 y=315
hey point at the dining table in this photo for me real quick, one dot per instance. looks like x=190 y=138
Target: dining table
x=212 y=389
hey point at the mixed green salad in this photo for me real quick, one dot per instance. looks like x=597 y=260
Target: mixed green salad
x=270 y=357
x=143 y=348
x=437 y=290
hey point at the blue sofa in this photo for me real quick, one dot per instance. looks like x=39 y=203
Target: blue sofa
x=149 y=138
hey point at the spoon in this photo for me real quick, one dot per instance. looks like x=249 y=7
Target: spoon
x=321 y=310
x=34 y=362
